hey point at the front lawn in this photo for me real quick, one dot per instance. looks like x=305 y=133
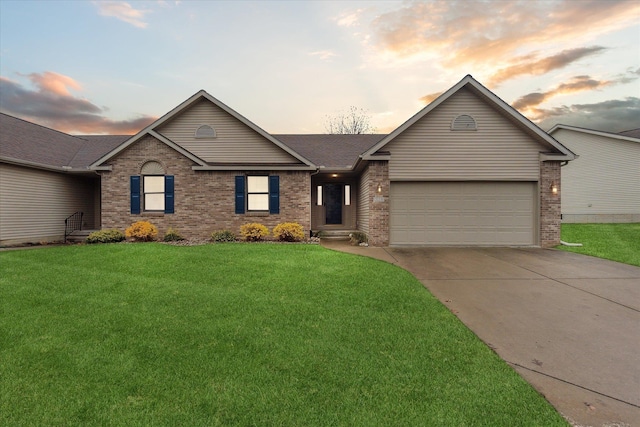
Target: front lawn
x=240 y=334
x=617 y=242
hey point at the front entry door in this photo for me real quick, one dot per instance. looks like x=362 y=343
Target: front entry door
x=333 y=203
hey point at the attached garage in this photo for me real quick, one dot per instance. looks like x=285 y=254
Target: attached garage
x=463 y=213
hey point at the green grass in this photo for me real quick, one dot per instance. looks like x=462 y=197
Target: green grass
x=617 y=242
x=240 y=334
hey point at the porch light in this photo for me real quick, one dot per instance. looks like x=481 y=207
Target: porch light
x=334 y=175
x=379 y=189
x=554 y=188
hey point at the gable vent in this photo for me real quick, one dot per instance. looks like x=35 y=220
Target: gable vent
x=205 y=131
x=152 y=168
x=464 y=122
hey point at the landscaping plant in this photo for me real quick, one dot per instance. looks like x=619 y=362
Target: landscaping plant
x=254 y=232
x=142 y=231
x=105 y=236
x=223 y=236
x=288 y=232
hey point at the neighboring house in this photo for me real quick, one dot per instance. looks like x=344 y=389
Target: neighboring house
x=467 y=169
x=603 y=184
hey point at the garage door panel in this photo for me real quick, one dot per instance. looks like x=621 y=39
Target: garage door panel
x=469 y=213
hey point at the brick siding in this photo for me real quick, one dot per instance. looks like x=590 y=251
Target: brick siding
x=550 y=204
x=378 y=203
x=204 y=200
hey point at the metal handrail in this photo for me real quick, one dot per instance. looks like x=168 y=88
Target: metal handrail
x=72 y=223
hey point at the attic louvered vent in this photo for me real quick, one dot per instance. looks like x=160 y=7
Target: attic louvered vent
x=205 y=131
x=464 y=122
x=152 y=168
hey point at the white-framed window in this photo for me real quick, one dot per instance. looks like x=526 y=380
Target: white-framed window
x=257 y=193
x=347 y=195
x=153 y=190
x=319 y=195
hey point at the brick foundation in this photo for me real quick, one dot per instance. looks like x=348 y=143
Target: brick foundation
x=204 y=200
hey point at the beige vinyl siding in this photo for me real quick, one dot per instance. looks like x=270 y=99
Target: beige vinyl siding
x=603 y=183
x=430 y=150
x=234 y=141
x=34 y=203
x=363 y=202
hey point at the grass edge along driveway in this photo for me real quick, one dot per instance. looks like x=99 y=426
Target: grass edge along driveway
x=616 y=242
x=240 y=334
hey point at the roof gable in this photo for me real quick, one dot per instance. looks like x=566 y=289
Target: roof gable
x=556 y=149
x=612 y=136
x=156 y=129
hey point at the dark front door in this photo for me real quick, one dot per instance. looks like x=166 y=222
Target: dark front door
x=333 y=203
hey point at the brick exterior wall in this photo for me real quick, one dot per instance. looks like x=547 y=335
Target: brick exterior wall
x=550 y=204
x=379 y=203
x=204 y=200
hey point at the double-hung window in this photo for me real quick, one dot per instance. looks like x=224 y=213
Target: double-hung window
x=257 y=193
x=153 y=188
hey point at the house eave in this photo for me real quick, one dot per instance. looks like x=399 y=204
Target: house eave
x=253 y=167
x=42 y=166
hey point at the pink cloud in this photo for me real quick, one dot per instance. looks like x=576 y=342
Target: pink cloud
x=123 y=11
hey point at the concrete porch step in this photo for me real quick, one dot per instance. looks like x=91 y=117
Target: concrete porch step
x=335 y=234
x=79 y=236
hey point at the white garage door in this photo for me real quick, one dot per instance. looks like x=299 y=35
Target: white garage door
x=463 y=213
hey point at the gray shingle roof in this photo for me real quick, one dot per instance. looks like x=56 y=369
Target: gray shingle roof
x=31 y=143
x=633 y=133
x=28 y=142
x=331 y=151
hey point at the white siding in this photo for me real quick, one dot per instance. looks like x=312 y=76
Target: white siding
x=234 y=141
x=430 y=150
x=603 y=184
x=34 y=203
x=463 y=213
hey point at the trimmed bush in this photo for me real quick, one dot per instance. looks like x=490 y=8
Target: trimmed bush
x=358 y=237
x=172 y=236
x=142 y=231
x=105 y=236
x=254 y=232
x=288 y=232
x=223 y=236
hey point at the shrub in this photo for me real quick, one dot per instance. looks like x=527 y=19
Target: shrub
x=288 y=232
x=172 y=236
x=142 y=231
x=254 y=232
x=358 y=237
x=223 y=236
x=105 y=236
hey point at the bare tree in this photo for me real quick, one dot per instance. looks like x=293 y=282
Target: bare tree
x=353 y=122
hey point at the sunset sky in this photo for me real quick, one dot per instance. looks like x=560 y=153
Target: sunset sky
x=112 y=66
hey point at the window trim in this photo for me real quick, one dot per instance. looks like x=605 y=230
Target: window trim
x=257 y=193
x=144 y=193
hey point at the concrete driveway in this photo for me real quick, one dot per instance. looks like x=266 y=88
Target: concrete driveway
x=569 y=324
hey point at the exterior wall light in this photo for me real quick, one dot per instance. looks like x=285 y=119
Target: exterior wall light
x=554 y=188
x=379 y=189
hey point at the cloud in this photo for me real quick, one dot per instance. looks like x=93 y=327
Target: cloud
x=470 y=33
x=122 y=11
x=349 y=19
x=52 y=105
x=609 y=116
x=529 y=64
x=323 y=54
x=576 y=84
x=427 y=99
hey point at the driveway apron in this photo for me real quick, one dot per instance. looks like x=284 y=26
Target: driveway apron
x=567 y=323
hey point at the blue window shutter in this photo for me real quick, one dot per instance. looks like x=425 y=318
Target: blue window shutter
x=168 y=194
x=240 y=194
x=274 y=194
x=135 y=194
